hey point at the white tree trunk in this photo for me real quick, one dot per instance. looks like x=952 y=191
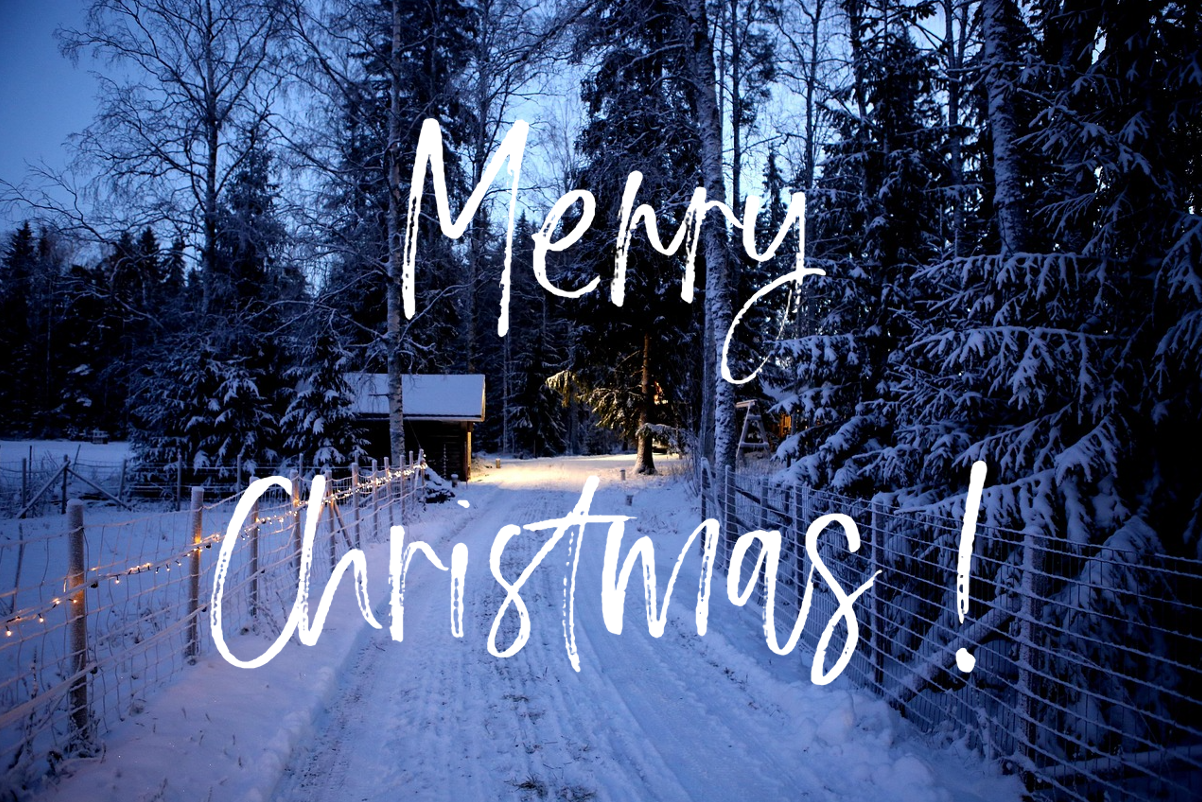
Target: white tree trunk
x=396 y=207
x=717 y=264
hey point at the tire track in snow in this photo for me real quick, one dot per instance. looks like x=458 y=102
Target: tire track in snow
x=666 y=704
x=397 y=724
x=438 y=718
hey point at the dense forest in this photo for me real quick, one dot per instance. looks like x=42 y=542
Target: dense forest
x=1002 y=197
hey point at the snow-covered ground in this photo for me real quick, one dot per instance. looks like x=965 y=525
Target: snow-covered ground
x=362 y=717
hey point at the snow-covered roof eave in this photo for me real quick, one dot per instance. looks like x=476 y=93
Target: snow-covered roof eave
x=451 y=398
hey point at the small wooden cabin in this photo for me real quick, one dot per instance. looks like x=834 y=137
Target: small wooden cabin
x=440 y=412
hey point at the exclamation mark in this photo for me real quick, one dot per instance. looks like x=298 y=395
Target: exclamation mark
x=972 y=505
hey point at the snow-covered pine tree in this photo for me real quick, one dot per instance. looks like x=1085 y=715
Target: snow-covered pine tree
x=1064 y=351
x=640 y=119
x=354 y=187
x=873 y=219
x=216 y=371
x=768 y=325
x=249 y=278
x=1124 y=82
x=205 y=409
x=319 y=423
x=527 y=416
x=1046 y=353
x=16 y=277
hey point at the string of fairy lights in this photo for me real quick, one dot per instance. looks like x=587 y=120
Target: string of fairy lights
x=334 y=495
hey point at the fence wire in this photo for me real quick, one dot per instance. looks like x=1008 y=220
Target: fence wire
x=1087 y=678
x=81 y=650
x=35 y=486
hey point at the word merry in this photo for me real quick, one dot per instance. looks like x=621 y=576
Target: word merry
x=429 y=157
x=614 y=580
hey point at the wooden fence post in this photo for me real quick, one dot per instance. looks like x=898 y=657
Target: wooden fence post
x=405 y=471
x=297 y=528
x=412 y=485
x=419 y=478
x=254 y=559
x=179 y=479
x=121 y=483
x=24 y=481
x=388 y=489
x=66 y=464
x=729 y=513
x=1028 y=673
x=77 y=613
x=329 y=500
x=875 y=543
x=355 y=501
x=197 y=526
x=764 y=521
x=375 y=495
x=798 y=525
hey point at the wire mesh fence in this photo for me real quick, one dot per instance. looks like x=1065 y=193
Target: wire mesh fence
x=41 y=484
x=1087 y=677
x=101 y=608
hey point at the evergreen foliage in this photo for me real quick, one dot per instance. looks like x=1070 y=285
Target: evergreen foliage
x=1003 y=195
x=873 y=221
x=16 y=274
x=435 y=54
x=1015 y=281
x=319 y=423
x=639 y=120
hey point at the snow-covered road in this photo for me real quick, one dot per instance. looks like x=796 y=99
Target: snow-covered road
x=360 y=716
x=676 y=718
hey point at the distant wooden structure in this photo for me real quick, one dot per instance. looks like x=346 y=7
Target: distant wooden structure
x=440 y=412
x=753 y=437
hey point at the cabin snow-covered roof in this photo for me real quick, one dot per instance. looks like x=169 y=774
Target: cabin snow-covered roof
x=453 y=397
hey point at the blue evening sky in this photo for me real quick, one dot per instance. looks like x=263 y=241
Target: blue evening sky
x=43 y=97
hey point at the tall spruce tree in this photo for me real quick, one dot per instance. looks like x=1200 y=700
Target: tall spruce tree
x=220 y=374
x=640 y=119
x=17 y=268
x=319 y=424
x=874 y=220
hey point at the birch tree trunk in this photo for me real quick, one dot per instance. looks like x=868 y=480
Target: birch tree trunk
x=720 y=406
x=396 y=206
x=189 y=99
x=736 y=106
x=212 y=129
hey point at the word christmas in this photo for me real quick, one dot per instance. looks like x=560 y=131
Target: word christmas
x=572 y=526
x=429 y=156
